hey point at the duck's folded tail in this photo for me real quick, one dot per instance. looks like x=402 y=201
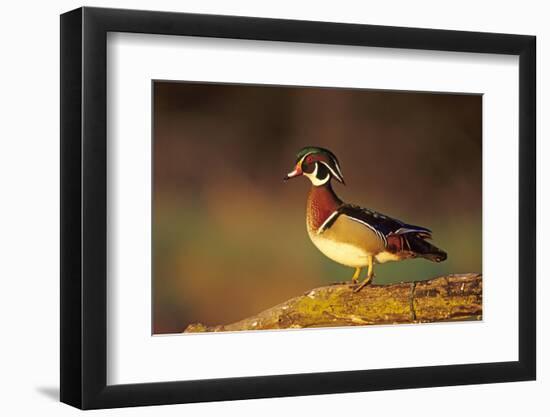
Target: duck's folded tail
x=422 y=248
x=413 y=244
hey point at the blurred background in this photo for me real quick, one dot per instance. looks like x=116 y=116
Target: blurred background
x=229 y=236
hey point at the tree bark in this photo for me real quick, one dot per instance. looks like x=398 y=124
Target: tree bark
x=448 y=298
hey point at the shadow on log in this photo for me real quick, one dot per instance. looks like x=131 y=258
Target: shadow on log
x=448 y=298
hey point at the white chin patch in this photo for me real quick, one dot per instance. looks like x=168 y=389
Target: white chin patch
x=313 y=177
x=338 y=175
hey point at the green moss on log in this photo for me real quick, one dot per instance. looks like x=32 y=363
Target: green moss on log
x=452 y=297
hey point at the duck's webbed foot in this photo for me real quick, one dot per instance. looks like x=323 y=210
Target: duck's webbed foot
x=370 y=275
x=355 y=278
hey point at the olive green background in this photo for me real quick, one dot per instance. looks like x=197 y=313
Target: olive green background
x=229 y=236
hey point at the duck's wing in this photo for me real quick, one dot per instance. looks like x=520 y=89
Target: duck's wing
x=379 y=223
x=400 y=240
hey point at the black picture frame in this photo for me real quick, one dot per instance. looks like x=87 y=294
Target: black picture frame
x=84 y=207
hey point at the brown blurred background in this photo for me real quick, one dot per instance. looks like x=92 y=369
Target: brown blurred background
x=229 y=236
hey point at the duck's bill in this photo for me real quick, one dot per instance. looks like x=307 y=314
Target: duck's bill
x=296 y=173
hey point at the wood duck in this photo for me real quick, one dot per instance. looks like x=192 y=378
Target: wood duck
x=351 y=235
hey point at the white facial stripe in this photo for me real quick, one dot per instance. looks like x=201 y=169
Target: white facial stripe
x=314 y=180
x=313 y=177
x=331 y=170
x=303 y=157
x=339 y=170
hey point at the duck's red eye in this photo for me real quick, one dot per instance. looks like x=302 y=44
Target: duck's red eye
x=309 y=159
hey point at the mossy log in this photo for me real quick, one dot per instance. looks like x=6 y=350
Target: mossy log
x=447 y=298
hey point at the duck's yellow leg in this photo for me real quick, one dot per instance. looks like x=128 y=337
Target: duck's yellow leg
x=355 y=277
x=370 y=274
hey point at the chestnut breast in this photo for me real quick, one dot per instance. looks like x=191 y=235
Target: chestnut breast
x=321 y=203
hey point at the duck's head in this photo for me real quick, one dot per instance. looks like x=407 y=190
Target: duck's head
x=318 y=164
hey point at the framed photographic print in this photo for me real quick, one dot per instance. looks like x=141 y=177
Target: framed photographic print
x=258 y=208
